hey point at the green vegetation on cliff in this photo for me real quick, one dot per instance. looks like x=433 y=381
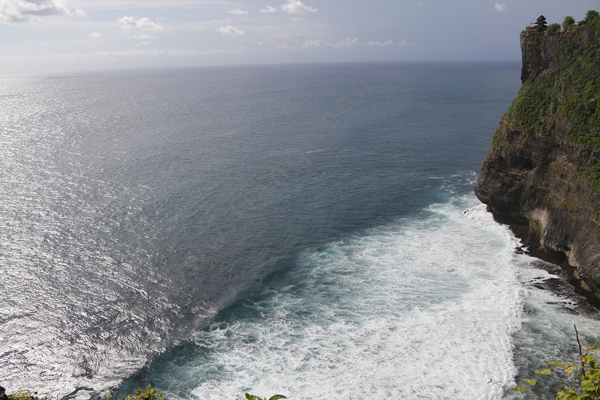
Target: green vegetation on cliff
x=567 y=92
x=578 y=90
x=542 y=173
x=561 y=90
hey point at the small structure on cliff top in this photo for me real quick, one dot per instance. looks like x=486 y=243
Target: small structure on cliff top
x=540 y=26
x=541 y=23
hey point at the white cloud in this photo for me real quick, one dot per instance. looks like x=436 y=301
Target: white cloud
x=291 y=7
x=30 y=10
x=95 y=35
x=269 y=10
x=501 y=7
x=296 y=7
x=79 y=12
x=143 y=44
x=295 y=19
x=143 y=36
x=350 y=43
x=230 y=30
x=237 y=11
x=142 y=23
x=420 y=4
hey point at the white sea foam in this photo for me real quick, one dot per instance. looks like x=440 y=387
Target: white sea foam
x=425 y=306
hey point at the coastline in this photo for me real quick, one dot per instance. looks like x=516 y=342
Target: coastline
x=531 y=245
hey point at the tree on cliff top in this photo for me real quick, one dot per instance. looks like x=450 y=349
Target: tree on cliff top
x=568 y=23
x=592 y=18
x=553 y=29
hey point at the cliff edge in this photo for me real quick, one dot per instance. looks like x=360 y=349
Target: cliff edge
x=542 y=172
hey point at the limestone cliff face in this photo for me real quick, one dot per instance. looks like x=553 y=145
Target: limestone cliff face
x=542 y=173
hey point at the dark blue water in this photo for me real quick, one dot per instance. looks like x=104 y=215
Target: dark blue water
x=274 y=228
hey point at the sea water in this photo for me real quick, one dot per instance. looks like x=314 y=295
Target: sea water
x=309 y=230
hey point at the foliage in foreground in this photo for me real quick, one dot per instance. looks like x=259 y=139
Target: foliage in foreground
x=149 y=394
x=276 y=397
x=586 y=376
x=20 y=395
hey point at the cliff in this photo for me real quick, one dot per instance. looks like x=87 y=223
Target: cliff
x=542 y=172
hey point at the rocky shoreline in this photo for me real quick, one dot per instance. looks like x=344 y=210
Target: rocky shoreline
x=530 y=241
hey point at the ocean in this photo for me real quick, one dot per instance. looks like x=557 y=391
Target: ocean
x=309 y=230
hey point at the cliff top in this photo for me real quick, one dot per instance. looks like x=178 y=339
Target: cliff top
x=538 y=43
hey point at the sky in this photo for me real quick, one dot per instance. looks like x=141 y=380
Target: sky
x=55 y=36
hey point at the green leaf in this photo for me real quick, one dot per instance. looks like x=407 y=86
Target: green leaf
x=587 y=385
x=532 y=382
x=588 y=359
x=544 y=372
x=565 y=396
x=252 y=397
x=510 y=387
x=521 y=389
x=557 y=364
x=569 y=369
x=277 y=397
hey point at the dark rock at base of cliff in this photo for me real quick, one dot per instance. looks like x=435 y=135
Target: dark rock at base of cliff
x=530 y=239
